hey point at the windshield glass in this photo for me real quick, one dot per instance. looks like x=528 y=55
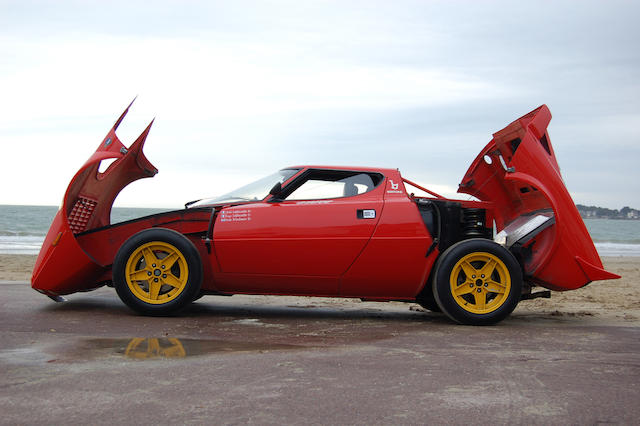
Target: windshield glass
x=256 y=191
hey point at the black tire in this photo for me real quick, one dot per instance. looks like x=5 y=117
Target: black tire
x=199 y=296
x=165 y=286
x=492 y=291
x=427 y=299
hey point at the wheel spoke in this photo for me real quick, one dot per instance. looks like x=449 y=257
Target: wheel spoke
x=172 y=280
x=488 y=268
x=168 y=261
x=154 y=289
x=496 y=287
x=141 y=275
x=468 y=269
x=481 y=299
x=149 y=257
x=465 y=288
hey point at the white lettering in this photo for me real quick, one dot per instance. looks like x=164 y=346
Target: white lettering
x=315 y=202
x=235 y=215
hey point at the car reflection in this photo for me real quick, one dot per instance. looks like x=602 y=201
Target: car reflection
x=170 y=347
x=144 y=348
x=150 y=348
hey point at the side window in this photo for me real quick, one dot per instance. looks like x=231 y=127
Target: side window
x=317 y=189
x=324 y=184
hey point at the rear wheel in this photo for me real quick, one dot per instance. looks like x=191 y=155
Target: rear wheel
x=477 y=282
x=157 y=272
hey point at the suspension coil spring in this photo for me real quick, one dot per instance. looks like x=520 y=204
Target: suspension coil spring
x=473 y=223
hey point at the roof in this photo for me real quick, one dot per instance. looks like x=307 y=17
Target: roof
x=349 y=168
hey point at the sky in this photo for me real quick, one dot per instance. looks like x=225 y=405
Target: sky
x=240 y=89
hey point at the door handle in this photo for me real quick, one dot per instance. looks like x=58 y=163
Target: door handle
x=366 y=214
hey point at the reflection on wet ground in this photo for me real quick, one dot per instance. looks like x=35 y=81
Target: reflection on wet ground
x=89 y=327
x=141 y=348
x=145 y=348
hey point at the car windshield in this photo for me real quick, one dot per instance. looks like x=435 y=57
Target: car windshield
x=256 y=191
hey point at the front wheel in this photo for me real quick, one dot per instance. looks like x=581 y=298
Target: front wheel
x=477 y=282
x=157 y=272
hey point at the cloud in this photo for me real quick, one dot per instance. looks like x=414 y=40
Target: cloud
x=242 y=88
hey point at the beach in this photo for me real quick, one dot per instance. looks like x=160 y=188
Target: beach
x=612 y=301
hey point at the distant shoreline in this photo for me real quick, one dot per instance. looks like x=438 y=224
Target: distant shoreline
x=594 y=212
x=610 y=218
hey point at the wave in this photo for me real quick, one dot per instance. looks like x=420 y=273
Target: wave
x=626 y=239
x=20 y=244
x=6 y=233
x=618 y=249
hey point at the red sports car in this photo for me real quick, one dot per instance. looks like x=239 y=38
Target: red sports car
x=332 y=231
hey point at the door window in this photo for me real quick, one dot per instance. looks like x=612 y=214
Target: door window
x=325 y=184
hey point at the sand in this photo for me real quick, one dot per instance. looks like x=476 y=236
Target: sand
x=617 y=300
x=16 y=267
x=612 y=299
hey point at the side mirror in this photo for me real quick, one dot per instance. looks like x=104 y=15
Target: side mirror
x=276 y=191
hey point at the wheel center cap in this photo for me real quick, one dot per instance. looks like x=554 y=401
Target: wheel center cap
x=478 y=282
x=157 y=272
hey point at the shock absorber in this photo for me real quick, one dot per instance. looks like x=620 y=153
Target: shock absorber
x=473 y=223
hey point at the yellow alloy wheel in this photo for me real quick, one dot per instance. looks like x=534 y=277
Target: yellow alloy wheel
x=156 y=272
x=480 y=282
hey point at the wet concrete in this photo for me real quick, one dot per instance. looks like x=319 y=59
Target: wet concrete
x=247 y=359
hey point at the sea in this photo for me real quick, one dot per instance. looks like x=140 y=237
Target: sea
x=23 y=228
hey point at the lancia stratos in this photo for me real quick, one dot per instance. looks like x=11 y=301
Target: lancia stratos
x=350 y=232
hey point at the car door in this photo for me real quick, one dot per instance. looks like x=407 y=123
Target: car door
x=304 y=239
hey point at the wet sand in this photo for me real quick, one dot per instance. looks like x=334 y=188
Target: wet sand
x=615 y=300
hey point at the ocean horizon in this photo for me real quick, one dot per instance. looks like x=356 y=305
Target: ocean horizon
x=23 y=229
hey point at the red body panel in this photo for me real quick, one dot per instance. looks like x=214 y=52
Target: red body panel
x=323 y=247
x=396 y=252
x=102 y=244
x=527 y=179
x=62 y=266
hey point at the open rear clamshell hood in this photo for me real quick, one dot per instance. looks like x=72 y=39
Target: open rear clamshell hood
x=87 y=205
x=518 y=172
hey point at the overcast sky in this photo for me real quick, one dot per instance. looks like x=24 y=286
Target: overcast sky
x=242 y=88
